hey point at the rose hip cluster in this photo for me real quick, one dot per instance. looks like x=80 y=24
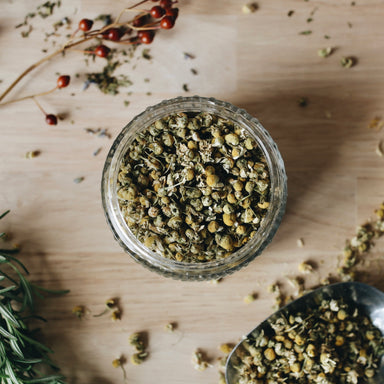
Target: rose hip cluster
x=140 y=29
x=62 y=82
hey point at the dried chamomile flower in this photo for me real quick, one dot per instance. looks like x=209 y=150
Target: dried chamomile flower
x=376 y=124
x=359 y=245
x=194 y=187
x=300 y=243
x=250 y=298
x=170 y=327
x=111 y=305
x=138 y=358
x=136 y=339
x=305 y=267
x=226 y=348
x=32 y=154
x=298 y=283
x=116 y=363
x=348 y=62
x=116 y=315
x=325 y=52
x=274 y=288
x=119 y=363
x=199 y=361
x=79 y=311
x=249 y=8
x=328 y=339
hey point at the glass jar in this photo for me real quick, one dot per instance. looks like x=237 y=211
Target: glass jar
x=179 y=269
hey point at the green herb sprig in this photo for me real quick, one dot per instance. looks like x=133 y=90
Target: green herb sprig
x=23 y=359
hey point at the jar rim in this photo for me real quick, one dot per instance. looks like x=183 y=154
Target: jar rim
x=185 y=270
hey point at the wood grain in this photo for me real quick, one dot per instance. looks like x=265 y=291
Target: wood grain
x=259 y=62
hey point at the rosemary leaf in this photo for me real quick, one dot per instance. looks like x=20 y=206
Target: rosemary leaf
x=22 y=357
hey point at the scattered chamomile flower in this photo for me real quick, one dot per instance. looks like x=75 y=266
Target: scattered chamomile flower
x=116 y=315
x=305 y=267
x=116 y=363
x=199 y=360
x=226 y=348
x=138 y=358
x=119 y=363
x=32 y=154
x=376 y=124
x=136 y=339
x=170 y=327
x=250 y=298
x=325 y=52
x=249 y=8
x=300 y=243
x=79 y=311
x=348 y=62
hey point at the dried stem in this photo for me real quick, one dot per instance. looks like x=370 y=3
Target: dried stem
x=30 y=96
x=39 y=106
x=71 y=43
x=67 y=45
x=43 y=60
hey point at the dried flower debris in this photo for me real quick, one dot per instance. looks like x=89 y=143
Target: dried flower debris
x=360 y=244
x=305 y=267
x=192 y=180
x=225 y=349
x=79 y=180
x=250 y=298
x=321 y=343
x=325 y=52
x=348 y=62
x=376 y=124
x=249 y=8
x=170 y=327
x=79 y=311
x=199 y=360
x=138 y=340
x=32 y=154
x=119 y=363
x=112 y=306
x=300 y=243
x=353 y=254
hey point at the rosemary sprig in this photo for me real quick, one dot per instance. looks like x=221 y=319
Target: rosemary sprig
x=23 y=359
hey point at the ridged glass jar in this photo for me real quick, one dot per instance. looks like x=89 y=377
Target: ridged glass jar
x=179 y=269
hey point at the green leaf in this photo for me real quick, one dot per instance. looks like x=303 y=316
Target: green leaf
x=11 y=288
x=11 y=258
x=6 y=334
x=8 y=316
x=16 y=348
x=52 y=291
x=4 y=214
x=11 y=374
x=35 y=343
x=28 y=294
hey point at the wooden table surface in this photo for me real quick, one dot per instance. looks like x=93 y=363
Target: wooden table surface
x=258 y=61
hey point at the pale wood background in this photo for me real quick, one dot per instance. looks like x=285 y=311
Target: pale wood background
x=259 y=62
